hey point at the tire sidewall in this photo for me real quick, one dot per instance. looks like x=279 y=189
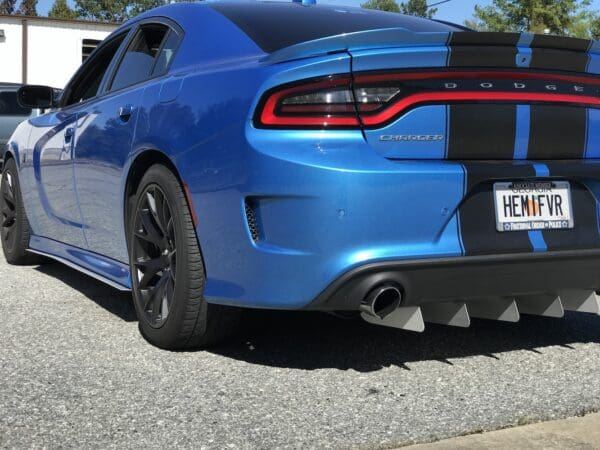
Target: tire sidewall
x=169 y=330
x=13 y=251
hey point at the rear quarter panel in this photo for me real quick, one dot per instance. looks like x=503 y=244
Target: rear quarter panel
x=205 y=132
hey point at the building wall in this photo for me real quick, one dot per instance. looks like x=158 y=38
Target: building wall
x=54 y=50
x=10 y=52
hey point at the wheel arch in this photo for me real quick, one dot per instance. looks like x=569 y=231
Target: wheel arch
x=138 y=167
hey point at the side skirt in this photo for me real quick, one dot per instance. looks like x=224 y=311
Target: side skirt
x=111 y=272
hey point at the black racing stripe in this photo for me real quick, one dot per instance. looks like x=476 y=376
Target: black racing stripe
x=483 y=56
x=579 y=170
x=542 y=58
x=585 y=233
x=557 y=132
x=485 y=38
x=477 y=215
x=560 y=43
x=482 y=131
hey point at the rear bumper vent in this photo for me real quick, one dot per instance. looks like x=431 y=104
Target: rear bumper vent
x=251 y=219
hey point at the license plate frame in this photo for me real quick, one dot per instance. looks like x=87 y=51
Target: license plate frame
x=539 y=212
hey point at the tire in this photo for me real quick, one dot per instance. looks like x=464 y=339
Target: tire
x=14 y=226
x=167 y=272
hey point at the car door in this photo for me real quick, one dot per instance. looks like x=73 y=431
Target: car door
x=51 y=152
x=59 y=217
x=105 y=131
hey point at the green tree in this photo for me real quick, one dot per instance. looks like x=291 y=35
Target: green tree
x=28 y=8
x=114 y=10
x=594 y=30
x=383 y=5
x=7 y=6
x=585 y=25
x=140 y=6
x=102 y=10
x=417 y=8
x=537 y=16
x=61 y=10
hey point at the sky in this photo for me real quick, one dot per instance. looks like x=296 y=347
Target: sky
x=454 y=11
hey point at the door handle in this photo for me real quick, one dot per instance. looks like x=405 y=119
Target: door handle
x=69 y=133
x=125 y=112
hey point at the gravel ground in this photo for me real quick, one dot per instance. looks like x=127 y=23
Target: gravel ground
x=75 y=372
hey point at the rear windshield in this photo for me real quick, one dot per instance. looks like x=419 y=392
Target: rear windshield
x=9 y=105
x=274 y=26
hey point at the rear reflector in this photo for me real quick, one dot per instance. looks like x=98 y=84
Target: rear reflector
x=376 y=99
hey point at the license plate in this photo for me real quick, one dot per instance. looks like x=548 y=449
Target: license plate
x=533 y=205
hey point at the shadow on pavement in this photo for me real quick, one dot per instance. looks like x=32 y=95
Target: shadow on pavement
x=305 y=340
x=118 y=303
x=317 y=341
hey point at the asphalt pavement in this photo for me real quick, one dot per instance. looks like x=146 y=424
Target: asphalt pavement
x=75 y=372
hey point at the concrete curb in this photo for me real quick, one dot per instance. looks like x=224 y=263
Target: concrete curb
x=576 y=432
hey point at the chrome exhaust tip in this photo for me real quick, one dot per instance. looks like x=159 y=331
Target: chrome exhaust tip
x=381 y=301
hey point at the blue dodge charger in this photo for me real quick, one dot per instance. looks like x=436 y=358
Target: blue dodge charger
x=219 y=155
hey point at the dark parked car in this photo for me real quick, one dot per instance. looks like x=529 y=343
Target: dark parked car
x=11 y=113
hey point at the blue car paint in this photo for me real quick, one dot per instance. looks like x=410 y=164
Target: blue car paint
x=314 y=189
x=47 y=172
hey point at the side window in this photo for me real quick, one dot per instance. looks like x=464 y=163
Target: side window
x=138 y=62
x=88 y=81
x=166 y=54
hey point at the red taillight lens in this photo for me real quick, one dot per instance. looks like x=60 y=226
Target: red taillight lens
x=325 y=103
x=374 y=100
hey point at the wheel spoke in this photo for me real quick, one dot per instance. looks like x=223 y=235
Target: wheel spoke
x=150 y=232
x=154 y=255
x=9 y=217
x=8 y=221
x=171 y=231
x=7 y=190
x=167 y=220
x=158 y=294
x=146 y=297
x=151 y=267
x=156 y=206
x=170 y=291
x=173 y=259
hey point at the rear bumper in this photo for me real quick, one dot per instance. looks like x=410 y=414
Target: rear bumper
x=466 y=278
x=325 y=205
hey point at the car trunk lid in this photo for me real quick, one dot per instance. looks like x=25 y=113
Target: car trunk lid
x=482 y=96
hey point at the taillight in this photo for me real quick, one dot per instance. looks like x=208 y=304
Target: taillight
x=327 y=103
x=375 y=99
x=473 y=86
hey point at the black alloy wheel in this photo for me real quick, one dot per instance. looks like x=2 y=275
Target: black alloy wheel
x=14 y=226
x=167 y=269
x=8 y=209
x=155 y=255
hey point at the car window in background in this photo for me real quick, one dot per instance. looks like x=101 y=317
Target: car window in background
x=138 y=61
x=9 y=105
x=87 y=83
